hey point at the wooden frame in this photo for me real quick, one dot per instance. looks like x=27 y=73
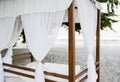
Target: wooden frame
x=45 y=72
x=71 y=77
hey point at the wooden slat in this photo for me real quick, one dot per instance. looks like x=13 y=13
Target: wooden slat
x=19 y=67
x=48 y=80
x=21 y=57
x=84 y=71
x=57 y=75
x=84 y=78
x=20 y=60
x=81 y=73
x=19 y=73
x=71 y=42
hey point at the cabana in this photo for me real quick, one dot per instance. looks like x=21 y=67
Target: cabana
x=41 y=35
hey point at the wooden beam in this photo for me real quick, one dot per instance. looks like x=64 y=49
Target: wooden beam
x=19 y=67
x=19 y=73
x=85 y=77
x=71 y=36
x=84 y=71
x=98 y=44
x=56 y=75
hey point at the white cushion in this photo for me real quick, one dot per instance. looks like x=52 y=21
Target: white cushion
x=13 y=79
x=55 y=68
x=59 y=68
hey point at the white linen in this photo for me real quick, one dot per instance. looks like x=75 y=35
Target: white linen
x=41 y=30
x=13 y=8
x=13 y=79
x=6 y=29
x=88 y=20
x=15 y=35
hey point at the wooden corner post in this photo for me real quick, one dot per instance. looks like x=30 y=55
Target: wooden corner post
x=71 y=51
x=98 y=44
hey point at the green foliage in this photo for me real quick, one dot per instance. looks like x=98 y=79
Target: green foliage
x=111 y=4
x=77 y=26
x=103 y=1
x=106 y=21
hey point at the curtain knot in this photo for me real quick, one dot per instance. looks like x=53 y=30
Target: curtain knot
x=91 y=69
x=39 y=74
x=1 y=70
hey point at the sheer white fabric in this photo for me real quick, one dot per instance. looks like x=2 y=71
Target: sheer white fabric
x=97 y=4
x=1 y=70
x=88 y=20
x=15 y=35
x=8 y=57
x=13 y=8
x=41 y=30
x=76 y=16
x=6 y=29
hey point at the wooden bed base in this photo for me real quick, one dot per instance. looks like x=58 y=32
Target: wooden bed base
x=20 y=57
x=45 y=72
x=71 y=76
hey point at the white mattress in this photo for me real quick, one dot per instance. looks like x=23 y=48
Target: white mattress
x=50 y=67
x=13 y=79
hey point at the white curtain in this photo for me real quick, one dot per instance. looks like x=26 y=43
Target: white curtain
x=6 y=29
x=15 y=35
x=41 y=30
x=1 y=70
x=13 y=8
x=88 y=20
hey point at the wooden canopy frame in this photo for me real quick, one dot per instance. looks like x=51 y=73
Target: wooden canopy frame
x=71 y=77
x=71 y=18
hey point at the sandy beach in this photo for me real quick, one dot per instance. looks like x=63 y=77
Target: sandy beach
x=110 y=58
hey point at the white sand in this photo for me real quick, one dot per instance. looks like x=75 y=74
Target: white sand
x=110 y=58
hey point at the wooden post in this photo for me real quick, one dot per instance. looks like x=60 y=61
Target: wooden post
x=71 y=20
x=98 y=44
